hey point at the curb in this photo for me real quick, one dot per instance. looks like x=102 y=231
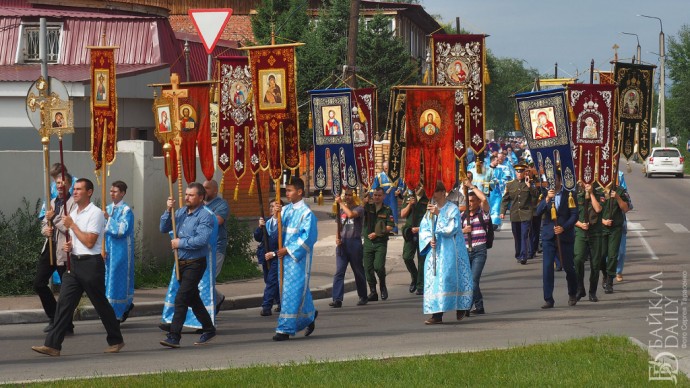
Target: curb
x=146 y=309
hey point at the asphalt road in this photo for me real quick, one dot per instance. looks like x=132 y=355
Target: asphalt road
x=657 y=257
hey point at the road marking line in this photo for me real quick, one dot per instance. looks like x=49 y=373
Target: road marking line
x=652 y=255
x=678 y=228
x=635 y=226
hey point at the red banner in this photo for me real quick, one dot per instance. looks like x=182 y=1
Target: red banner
x=363 y=131
x=460 y=60
x=430 y=122
x=237 y=130
x=274 y=95
x=593 y=131
x=103 y=105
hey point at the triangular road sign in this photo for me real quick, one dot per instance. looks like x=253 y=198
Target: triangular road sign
x=209 y=23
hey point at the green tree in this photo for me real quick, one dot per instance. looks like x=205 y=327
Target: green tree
x=508 y=76
x=288 y=19
x=678 y=105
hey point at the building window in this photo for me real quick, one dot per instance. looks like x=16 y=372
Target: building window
x=30 y=42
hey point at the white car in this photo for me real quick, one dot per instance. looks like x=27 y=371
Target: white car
x=664 y=160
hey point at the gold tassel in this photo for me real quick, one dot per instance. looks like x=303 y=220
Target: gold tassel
x=355 y=198
x=571 y=201
x=516 y=122
x=487 y=79
x=425 y=79
x=629 y=169
x=320 y=199
x=251 y=186
x=644 y=169
x=220 y=186
x=310 y=123
x=541 y=196
x=237 y=191
x=571 y=114
x=334 y=210
x=554 y=216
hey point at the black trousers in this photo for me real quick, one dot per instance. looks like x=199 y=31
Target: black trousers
x=44 y=271
x=188 y=296
x=86 y=275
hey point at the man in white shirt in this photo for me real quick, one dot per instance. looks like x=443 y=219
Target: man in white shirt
x=85 y=273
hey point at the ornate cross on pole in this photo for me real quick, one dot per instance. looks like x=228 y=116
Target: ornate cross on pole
x=588 y=154
x=175 y=94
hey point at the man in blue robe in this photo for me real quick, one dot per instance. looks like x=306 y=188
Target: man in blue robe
x=391 y=190
x=297 y=310
x=447 y=271
x=189 y=301
x=219 y=206
x=119 y=248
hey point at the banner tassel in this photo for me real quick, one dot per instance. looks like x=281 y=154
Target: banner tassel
x=571 y=201
x=479 y=165
x=629 y=169
x=554 y=216
x=222 y=183
x=251 y=186
x=320 y=199
x=237 y=191
x=334 y=209
x=516 y=122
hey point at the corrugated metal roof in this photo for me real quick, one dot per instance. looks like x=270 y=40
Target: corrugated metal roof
x=66 y=13
x=66 y=73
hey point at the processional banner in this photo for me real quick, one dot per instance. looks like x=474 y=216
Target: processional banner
x=460 y=61
x=544 y=120
x=396 y=123
x=333 y=132
x=635 y=96
x=364 y=127
x=274 y=95
x=431 y=127
x=103 y=106
x=593 y=132
x=237 y=127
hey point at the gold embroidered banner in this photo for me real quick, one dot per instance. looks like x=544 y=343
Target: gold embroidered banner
x=103 y=105
x=635 y=96
x=274 y=95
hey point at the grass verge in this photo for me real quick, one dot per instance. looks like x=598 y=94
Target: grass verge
x=594 y=361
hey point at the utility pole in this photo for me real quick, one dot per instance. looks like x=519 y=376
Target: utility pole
x=661 y=130
x=350 y=70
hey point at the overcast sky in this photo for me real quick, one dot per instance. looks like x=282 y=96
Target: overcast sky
x=572 y=33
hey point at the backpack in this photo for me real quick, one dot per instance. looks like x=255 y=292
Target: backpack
x=489 y=229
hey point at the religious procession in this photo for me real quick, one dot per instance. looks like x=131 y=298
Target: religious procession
x=440 y=183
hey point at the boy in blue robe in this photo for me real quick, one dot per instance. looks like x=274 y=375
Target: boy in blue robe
x=119 y=248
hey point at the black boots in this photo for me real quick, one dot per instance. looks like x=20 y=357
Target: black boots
x=384 y=290
x=373 y=296
x=608 y=288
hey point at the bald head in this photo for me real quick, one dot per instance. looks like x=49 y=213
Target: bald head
x=211 y=188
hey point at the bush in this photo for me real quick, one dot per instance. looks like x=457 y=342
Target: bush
x=21 y=245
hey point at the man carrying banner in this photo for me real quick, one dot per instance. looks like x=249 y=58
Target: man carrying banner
x=447 y=272
x=413 y=210
x=615 y=205
x=519 y=197
x=588 y=240
x=391 y=191
x=119 y=245
x=475 y=223
x=297 y=310
x=378 y=222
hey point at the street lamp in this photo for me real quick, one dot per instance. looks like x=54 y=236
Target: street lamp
x=639 y=49
x=662 y=84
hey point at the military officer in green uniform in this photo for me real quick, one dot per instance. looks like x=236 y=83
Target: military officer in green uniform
x=616 y=203
x=519 y=196
x=378 y=223
x=588 y=240
x=414 y=208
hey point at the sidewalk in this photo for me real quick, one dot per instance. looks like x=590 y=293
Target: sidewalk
x=239 y=294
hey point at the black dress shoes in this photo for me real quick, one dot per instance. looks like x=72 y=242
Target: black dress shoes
x=572 y=301
x=547 y=305
x=419 y=292
x=523 y=261
x=413 y=287
x=362 y=301
x=336 y=304
x=312 y=325
x=580 y=294
x=593 y=297
x=478 y=311
x=373 y=297
x=281 y=337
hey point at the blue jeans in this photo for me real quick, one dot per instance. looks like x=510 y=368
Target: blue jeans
x=621 y=250
x=349 y=251
x=477 y=261
x=271 y=290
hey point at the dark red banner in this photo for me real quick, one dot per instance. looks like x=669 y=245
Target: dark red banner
x=103 y=105
x=430 y=127
x=460 y=60
x=363 y=131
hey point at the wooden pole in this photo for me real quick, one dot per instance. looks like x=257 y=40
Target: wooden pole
x=46 y=168
x=104 y=163
x=167 y=148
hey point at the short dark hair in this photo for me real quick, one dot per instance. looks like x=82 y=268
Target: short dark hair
x=56 y=169
x=379 y=189
x=88 y=185
x=297 y=183
x=122 y=186
x=199 y=188
x=440 y=187
x=273 y=200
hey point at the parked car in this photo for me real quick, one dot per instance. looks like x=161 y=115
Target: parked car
x=664 y=160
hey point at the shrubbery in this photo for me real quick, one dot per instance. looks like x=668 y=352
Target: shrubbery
x=20 y=247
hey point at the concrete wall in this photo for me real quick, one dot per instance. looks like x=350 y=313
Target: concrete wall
x=23 y=177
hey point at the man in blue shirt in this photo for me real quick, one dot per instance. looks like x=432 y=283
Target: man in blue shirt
x=195 y=227
x=220 y=208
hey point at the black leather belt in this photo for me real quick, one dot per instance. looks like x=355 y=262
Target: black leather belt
x=83 y=257
x=186 y=262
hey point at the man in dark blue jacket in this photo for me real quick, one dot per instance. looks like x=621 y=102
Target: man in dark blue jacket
x=558 y=238
x=269 y=262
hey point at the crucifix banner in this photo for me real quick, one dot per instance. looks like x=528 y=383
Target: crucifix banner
x=430 y=129
x=195 y=130
x=396 y=123
x=544 y=120
x=274 y=95
x=635 y=96
x=363 y=130
x=593 y=131
x=236 y=117
x=332 y=122
x=460 y=61
x=103 y=106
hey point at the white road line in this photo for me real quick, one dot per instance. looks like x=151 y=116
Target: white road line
x=635 y=226
x=678 y=228
x=652 y=255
